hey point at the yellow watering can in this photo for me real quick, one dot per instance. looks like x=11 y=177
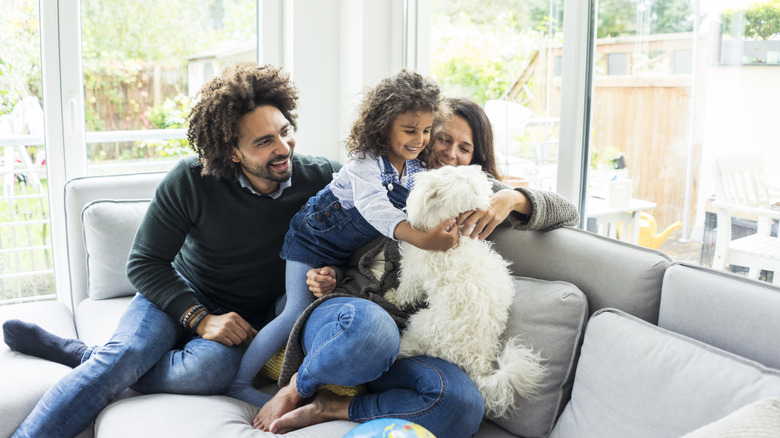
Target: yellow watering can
x=649 y=237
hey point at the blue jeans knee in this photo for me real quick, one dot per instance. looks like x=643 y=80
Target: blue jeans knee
x=426 y=390
x=201 y=367
x=348 y=341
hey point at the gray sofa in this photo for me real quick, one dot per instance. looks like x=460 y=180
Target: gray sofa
x=635 y=344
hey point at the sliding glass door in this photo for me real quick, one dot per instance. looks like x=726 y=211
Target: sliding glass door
x=96 y=87
x=685 y=92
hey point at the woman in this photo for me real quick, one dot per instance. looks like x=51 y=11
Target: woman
x=409 y=388
x=468 y=139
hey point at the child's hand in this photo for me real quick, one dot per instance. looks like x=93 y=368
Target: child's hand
x=321 y=281
x=440 y=238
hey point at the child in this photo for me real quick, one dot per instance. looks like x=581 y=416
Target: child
x=365 y=198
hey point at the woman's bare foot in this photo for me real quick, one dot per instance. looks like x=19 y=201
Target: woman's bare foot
x=283 y=402
x=326 y=406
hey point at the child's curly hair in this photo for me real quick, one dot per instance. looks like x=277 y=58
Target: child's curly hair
x=239 y=90
x=393 y=96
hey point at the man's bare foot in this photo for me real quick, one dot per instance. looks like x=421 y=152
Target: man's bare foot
x=283 y=402
x=326 y=406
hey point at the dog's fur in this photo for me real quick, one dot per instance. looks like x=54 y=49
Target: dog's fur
x=468 y=291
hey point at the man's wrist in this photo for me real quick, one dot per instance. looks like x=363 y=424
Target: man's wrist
x=196 y=320
x=187 y=318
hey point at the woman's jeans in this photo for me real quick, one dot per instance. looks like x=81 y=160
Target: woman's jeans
x=141 y=354
x=350 y=341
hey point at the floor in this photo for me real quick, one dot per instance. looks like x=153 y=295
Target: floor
x=690 y=252
x=698 y=254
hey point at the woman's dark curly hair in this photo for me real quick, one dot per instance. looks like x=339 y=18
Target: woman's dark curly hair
x=393 y=96
x=239 y=90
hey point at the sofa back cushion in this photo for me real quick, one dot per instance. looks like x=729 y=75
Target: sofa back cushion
x=637 y=380
x=109 y=230
x=78 y=193
x=610 y=272
x=724 y=310
x=551 y=317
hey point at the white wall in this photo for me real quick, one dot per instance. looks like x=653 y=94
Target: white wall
x=340 y=47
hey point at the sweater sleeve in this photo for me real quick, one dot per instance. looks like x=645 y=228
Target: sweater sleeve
x=549 y=210
x=157 y=242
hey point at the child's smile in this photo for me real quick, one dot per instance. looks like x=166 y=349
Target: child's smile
x=408 y=136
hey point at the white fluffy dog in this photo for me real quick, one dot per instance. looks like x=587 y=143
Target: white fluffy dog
x=468 y=291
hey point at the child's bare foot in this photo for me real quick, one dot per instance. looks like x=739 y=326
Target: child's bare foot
x=326 y=406
x=283 y=402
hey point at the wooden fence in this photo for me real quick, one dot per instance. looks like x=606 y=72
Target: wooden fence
x=646 y=117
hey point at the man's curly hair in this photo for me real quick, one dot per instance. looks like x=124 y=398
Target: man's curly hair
x=239 y=90
x=393 y=96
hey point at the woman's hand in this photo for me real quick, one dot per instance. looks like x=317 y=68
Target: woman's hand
x=321 y=281
x=483 y=222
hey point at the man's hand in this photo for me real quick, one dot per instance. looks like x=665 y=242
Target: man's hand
x=321 y=281
x=229 y=329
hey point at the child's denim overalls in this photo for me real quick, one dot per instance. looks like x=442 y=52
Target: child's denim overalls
x=324 y=233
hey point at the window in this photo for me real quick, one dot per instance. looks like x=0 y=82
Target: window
x=141 y=70
x=505 y=56
x=673 y=88
x=121 y=109
x=697 y=89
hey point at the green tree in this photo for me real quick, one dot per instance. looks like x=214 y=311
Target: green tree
x=759 y=21
x=20 y=56
x=629 y=17
x=479 y=48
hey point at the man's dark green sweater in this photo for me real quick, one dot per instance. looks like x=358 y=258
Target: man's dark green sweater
x=219 y=236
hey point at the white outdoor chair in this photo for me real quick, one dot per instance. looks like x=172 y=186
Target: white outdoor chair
x=741 y=192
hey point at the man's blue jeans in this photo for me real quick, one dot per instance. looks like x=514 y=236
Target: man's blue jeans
x=349 y=341
x=142 y=354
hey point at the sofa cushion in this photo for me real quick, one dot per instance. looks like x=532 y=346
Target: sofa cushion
x=96 y=320
x=109 y=230
x=24 y=379
x=551 y=316
x=170 y=415
x=758 y=419
x=724 y=310
x=610 y=272
x=635 y=379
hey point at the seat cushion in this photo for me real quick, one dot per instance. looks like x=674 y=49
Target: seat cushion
x=109 y=231
x=551 y=317
x=170 y=415
x=724 y=310
x=24 y=379
x=96 y=320
x=635 y=379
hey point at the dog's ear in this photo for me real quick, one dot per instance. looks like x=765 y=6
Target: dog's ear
x=431 y=199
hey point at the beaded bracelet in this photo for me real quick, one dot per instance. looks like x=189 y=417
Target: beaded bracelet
x=198 y=319
x=186 y=319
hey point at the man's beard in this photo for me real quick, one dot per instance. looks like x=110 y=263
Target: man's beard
x=267 y=172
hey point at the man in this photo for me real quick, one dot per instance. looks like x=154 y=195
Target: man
x=205 y=260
